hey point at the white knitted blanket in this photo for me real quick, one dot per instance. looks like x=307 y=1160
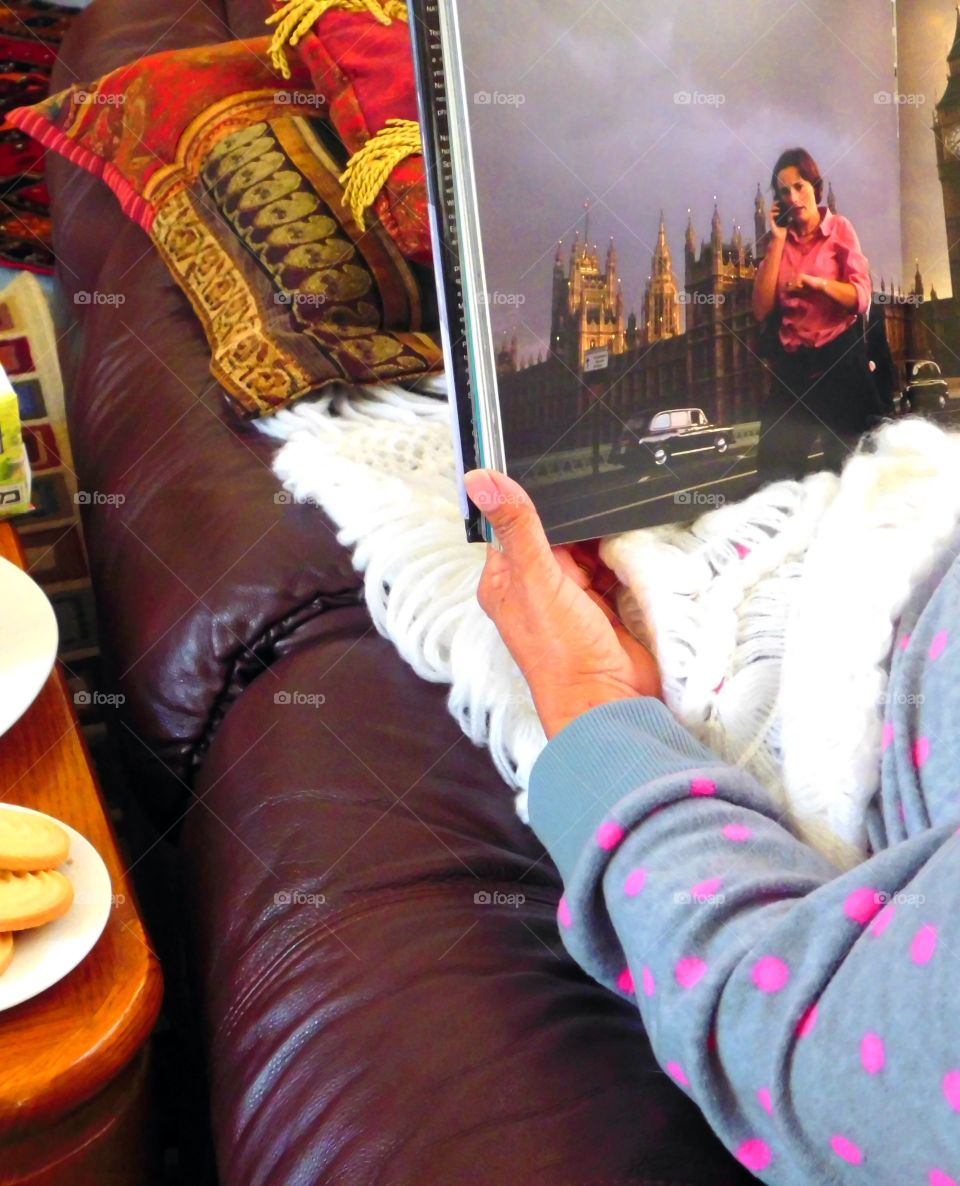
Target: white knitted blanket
x=772 y=619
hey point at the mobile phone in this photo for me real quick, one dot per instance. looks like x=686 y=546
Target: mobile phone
x=783 y=217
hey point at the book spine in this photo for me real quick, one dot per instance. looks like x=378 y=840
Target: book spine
x=431 y=83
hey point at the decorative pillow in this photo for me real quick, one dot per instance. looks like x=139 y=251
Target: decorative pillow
x=244 y=201
x=292 y=294
x=360 y=56
x=143 y=131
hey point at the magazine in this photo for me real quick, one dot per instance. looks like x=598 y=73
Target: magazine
x=626 y=331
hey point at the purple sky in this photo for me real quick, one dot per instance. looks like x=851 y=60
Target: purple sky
x=925 y=31
x=598 y=120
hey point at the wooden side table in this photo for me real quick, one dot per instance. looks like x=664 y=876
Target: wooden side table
x=73 y=1060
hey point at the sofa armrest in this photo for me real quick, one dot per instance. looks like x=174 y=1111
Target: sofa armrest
x=200 y=570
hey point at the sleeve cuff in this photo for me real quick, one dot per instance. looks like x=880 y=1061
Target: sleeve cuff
x=598 y=759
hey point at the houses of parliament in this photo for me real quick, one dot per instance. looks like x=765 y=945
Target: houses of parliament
x=696 y=342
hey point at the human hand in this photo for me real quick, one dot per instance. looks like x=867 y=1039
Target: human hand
x=777 y=232
x=551 y=609
x=802 y=280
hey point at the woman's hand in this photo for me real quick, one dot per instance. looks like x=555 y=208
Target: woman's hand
x=778 y=232
x=550 y=607
x=803 y=280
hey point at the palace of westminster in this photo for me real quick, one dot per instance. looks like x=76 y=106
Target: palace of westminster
x=696 y=344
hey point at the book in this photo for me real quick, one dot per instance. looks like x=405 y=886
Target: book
x=602 y=179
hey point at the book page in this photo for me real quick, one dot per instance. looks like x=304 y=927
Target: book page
x=928 y=53
x=624 y=154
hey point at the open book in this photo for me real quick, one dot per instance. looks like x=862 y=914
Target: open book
x=601 y=184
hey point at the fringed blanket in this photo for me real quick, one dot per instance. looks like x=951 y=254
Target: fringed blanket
x=772 y=619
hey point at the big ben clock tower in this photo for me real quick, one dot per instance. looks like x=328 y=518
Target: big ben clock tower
x=946 y=127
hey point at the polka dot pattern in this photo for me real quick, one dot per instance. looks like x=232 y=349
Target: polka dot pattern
x=951 y=1089
x=872 y=1053
x=924 y=944
x=938 y=645
x=770 y=973
x=863 y=904
x=706 y=888
x=754 y=1154
x=883 y=919
x=808 y=1021
x=887 y=735
x=846 y=1149
x=609 y=834
x=690 y=971
x=737 y=832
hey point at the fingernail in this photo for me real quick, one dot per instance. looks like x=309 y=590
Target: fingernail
x=481 y=488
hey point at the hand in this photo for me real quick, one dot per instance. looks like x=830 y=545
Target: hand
x=802 y=281
x=550 y=606
x=778 y=232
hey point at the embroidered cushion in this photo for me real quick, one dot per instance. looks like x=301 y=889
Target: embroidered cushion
x=144 y=132
x=360 y=56
x=243 y=199
x=291 y=293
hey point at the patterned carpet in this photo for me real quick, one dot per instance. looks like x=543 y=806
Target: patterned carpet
x=30 y=35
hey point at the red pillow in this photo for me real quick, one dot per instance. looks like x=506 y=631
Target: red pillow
x=362 y=61
x=145 y=128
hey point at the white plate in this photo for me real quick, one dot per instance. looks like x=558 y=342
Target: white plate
x=44 y=955
x=28 y=642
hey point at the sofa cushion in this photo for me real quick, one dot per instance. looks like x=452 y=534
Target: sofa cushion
x=387 y=997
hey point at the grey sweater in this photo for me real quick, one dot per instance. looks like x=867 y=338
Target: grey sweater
x=812 y=1015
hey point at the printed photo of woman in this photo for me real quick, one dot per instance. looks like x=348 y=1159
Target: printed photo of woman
x=814 y=285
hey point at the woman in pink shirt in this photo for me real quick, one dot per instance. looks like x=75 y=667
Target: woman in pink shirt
x=815 y=278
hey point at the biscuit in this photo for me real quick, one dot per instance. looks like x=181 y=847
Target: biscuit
x=6 y=951
x=32 y=899
x=31 y=842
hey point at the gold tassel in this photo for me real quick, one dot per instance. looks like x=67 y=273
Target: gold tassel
x=297 y=17
x=371 y=165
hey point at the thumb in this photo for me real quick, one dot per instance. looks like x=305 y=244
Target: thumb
x=511 y=513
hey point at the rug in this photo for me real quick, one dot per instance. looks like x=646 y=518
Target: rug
x=772 y=619
x=30 y=35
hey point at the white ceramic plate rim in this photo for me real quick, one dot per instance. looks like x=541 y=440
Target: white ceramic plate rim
x=44 y=955
x=28 y=642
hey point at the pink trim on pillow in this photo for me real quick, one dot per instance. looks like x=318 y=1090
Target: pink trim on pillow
x=134 y=205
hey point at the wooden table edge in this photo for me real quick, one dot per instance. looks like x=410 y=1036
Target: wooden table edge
x=43 y=1097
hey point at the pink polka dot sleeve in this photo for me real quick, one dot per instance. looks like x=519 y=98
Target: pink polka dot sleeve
x=810 y=1014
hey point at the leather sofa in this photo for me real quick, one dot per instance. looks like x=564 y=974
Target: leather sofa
x=363 y=1016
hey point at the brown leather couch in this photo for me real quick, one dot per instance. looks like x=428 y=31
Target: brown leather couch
x=364 y=1020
